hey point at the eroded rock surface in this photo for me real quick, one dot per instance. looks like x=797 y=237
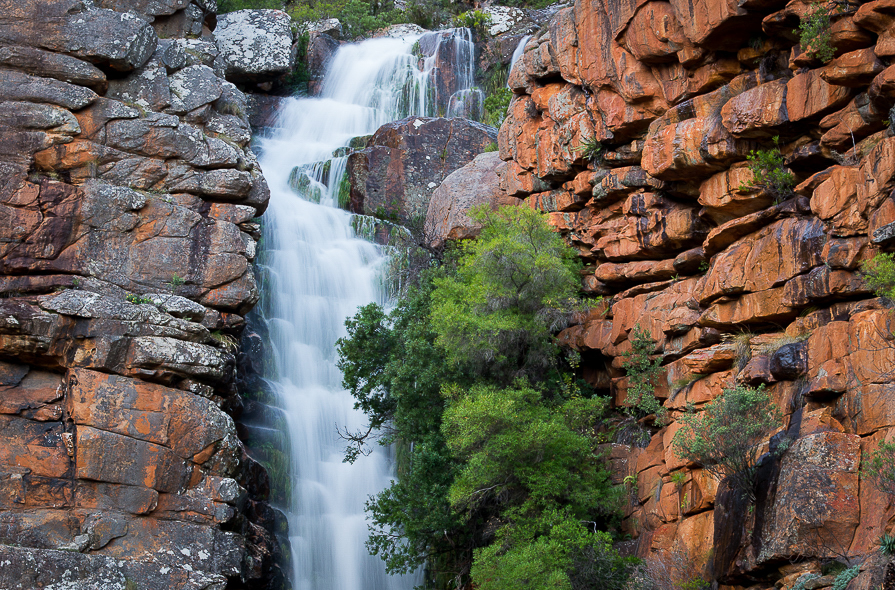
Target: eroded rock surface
x=631 y=125
x=127 y=202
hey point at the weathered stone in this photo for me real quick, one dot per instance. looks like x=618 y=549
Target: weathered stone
x=475 y=184
x=816 y=499
x=18 y=86
x=256 y=44
x=53 y=65
x=809 y=95
x=757 y=112
x=407 y=160
x=193 y=87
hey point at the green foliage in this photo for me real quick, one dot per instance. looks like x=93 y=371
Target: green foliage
x=502 y=482
x=769 y=173
x=361 y=17
x=176 y=281
x=137 y=299
x=887 y=544
x=491 y=147
x=879 y=274
x=845 y=577
x=590 y=148
x=472 y=19
x=725 y=438
x=815 y=34
x=642 y=372
x=297 y=80
x=527 y=457
x=555 y=552
x=513 y=287
x=880 y=467
x=496 y=105
x=231 y=5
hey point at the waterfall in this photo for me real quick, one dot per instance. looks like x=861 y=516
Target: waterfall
x=517 y=53
x=315 y=274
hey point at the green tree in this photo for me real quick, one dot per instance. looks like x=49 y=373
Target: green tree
x=879 y=466
x=525 y=462
x=513 y=288
x=879 y=274
x=642 y=372
x=726 y=437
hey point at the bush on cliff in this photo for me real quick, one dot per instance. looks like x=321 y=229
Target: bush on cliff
x=879 y=274
x=726 y=437
x=503 y=480
x=513 y=288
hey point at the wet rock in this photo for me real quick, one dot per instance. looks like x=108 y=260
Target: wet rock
x=790 y=361
x=256 y=44
x=405 y=161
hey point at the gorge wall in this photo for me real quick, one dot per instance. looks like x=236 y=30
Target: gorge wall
x=733 y=284
x=127 y=230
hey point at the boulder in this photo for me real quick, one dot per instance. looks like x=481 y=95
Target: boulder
x=816 y=508
x=474 y=184
x=256 y=44
x=405 y=161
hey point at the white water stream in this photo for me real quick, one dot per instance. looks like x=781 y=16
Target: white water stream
x=316 y=274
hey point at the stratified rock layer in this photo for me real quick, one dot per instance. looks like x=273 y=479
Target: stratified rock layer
x=127 y=203
x=631 y=126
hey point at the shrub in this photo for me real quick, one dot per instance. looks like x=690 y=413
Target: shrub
x=880 y=467
x=642 y=374
x=514 y=286
x=887 y=544
x=845 y=577
x=496 y=105
x=137 y=299
x=725 y=438
x=472 y=19
x=231 y=5
x=879 y=274
x=769 y=173
x=815 y=35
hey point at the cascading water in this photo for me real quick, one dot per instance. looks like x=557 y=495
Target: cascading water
x=316 y=273
x=517 y=53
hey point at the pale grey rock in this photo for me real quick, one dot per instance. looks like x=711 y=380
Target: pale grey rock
x=147 y=86
x=193 y=87
x=256 y=44
x=189 y=359
x=177 y=306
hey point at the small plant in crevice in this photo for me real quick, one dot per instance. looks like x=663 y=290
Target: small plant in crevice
x=845 y=576
x=769 y=173
x=743 y=351
x=137 y=299
x=176 y=282
x=643 y=372
x=887 y=544
x=815 y=35
x=590 y=148
x=227 y=342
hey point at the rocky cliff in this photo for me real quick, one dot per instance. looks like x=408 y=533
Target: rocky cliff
x=128 y=209
x=631 y=124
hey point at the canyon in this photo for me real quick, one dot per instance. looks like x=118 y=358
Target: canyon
x=130 y=217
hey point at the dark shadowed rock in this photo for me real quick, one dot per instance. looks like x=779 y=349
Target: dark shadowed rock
x=405 y=161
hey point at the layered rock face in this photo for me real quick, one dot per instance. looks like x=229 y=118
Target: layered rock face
x=127 y=209
x=677 y=94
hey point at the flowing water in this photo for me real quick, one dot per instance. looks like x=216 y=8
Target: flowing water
x=316 y=272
